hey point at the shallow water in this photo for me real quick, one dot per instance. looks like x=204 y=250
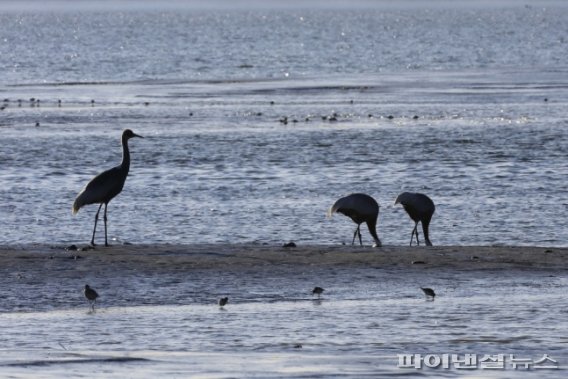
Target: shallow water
x=218 y=166
x=208 y=89
x=227 y=174
x=169 y=322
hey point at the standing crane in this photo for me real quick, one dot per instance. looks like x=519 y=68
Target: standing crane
x=106 y=185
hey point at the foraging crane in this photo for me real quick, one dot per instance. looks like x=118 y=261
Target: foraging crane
x=360 y=208
x=420 y=208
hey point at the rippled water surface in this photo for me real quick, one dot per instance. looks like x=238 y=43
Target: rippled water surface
x=366 y=316
x=216 y=165
x=255 y=121
x=377 y=100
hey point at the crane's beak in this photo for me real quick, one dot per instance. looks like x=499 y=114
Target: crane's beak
x=136 y=135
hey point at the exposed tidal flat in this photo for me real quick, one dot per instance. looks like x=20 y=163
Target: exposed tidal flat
x=170 y=257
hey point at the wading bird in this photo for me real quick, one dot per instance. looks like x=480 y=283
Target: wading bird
x=105 y=186
x=91 y=295
x=317 y=291
x=429 y=292
x=223 y=301
x=360 y=208
x=420 y=208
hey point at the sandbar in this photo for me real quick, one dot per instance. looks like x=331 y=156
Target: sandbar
x=155 y=258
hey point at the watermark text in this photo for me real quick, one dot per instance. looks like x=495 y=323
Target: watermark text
x=475 y=361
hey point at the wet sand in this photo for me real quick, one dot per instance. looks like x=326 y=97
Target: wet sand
x=176 y=258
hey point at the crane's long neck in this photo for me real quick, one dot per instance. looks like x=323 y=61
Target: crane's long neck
x=125 y=165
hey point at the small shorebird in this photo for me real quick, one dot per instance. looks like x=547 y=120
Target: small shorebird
x=360 y=208
x=91 y=295
x=429 y=292
x=223 y=301
x=317 y=291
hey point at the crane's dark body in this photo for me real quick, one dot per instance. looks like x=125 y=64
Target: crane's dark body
x=106 y=185
x=360 y=208
x=420 y=208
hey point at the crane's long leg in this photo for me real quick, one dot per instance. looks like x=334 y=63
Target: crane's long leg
x=354 y=236
x=425 y=225
x=412 y=235
x=360 y=241
x=105 y=218
x=95 y=228
x=416 y=231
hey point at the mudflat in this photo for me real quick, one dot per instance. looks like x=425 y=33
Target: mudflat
x=173 y=258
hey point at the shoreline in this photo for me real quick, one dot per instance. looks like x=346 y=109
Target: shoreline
x=165 y=257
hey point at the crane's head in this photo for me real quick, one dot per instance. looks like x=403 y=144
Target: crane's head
x=127 y=134
x=402 y=198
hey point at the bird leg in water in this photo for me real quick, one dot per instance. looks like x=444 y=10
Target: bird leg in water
x=95 y=228
x=105 y=218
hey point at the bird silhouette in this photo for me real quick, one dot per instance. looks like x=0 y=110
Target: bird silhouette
x=420 y=208
x=91 y=295
x=360 y=208
x=223 y=301
x=317 y=291
x=429 y=292
x=105 y=186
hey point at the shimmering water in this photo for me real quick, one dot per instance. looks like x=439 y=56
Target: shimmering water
x=466 y=103
x=217 y=164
